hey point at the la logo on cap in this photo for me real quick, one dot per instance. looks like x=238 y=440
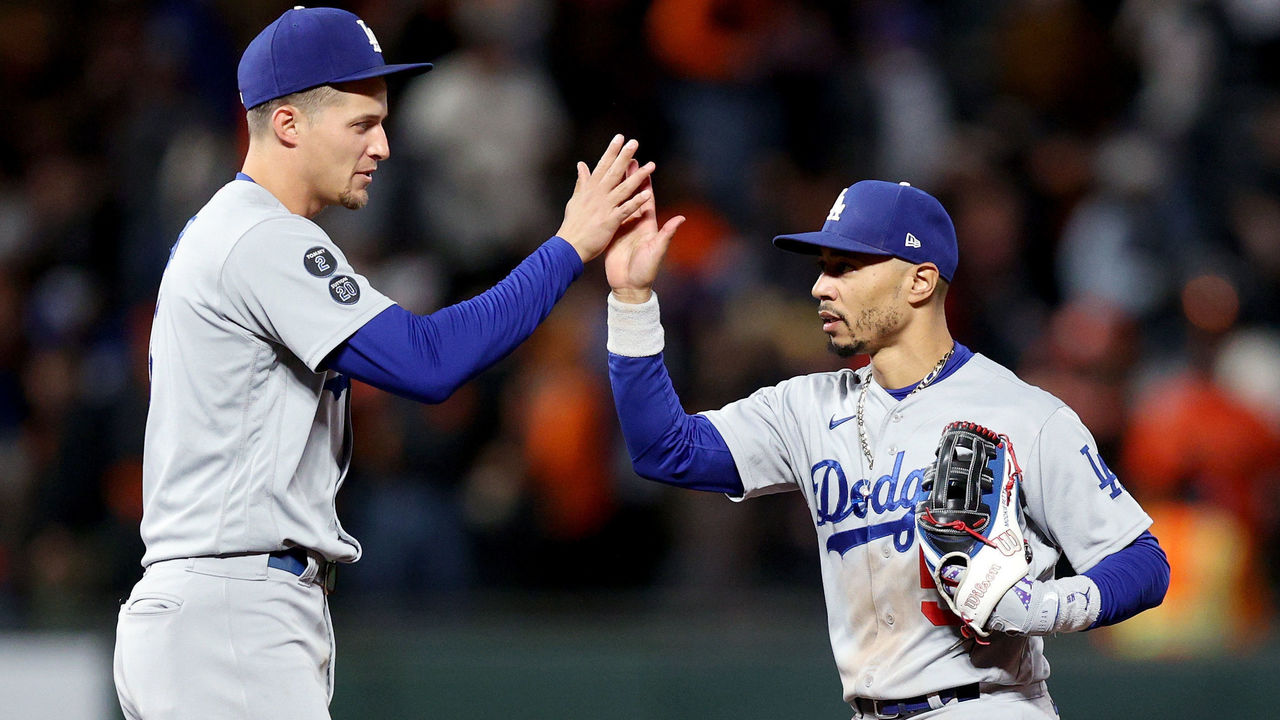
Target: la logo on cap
x=308 y=47
x=834 y=215
x=373 y=40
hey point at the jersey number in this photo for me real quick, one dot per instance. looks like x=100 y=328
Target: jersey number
x=933 y=611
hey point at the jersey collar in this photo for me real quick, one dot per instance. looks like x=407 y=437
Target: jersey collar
x=958 y=358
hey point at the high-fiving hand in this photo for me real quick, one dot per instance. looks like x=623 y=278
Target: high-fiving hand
x=605 y=197
x=631 y=262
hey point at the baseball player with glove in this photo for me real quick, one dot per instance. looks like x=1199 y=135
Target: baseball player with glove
x=943 y=489
x=260 y=323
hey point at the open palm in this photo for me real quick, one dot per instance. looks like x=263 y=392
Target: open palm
x=631 y=263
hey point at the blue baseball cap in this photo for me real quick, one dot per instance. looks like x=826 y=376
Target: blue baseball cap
x=884 y=218
x=310 y=47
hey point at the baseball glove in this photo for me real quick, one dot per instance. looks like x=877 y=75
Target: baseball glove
x=970 y=523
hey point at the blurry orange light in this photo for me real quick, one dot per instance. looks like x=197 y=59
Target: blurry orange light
x=1210 y=302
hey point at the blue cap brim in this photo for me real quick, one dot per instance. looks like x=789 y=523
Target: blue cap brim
x=381 y=70
x=375 y=71
x=812 y=243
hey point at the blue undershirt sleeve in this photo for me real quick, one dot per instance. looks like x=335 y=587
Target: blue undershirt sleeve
x=667 y=444
x=1130 y=580
x=427 y=357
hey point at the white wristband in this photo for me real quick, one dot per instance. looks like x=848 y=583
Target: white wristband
x=635 y=329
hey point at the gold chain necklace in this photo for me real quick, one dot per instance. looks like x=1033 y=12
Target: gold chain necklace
x=862 y=402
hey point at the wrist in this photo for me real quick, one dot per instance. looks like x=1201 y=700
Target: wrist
x=582 y=254
x=635 y=330
x=1033 y=607
x=633 y=296
x=562 y=255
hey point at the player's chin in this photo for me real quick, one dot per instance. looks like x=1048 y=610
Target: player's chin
x=353 y=199
x=846 y=348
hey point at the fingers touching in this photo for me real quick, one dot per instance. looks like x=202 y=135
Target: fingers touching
x=616 y=190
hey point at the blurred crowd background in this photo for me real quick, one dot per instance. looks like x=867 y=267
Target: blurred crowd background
x=1112 y=167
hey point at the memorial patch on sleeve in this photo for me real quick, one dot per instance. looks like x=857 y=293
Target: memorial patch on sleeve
x=319 y=262
x=344 y=290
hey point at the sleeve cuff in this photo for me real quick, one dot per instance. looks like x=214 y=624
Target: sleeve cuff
x=635 y=330
x=572 y=260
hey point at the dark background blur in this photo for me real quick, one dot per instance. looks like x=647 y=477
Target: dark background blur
x=1113 y=170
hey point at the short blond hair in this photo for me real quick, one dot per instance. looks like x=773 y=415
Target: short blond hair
x=308 y=102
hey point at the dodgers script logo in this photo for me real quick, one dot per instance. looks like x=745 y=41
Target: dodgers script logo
x=835 y=499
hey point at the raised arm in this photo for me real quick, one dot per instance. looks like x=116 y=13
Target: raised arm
x=427 y=357
x=666 y=444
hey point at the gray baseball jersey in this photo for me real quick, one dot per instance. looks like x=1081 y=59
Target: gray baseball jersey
x=246 y=443
x=887 y=627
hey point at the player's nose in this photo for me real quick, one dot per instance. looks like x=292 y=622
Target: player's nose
x=823 y=288
x=379 y=146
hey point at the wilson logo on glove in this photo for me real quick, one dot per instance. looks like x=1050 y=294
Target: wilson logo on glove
x=970 y=523
x=1007 y=543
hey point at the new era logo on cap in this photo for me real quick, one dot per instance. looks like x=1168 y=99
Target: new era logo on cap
x=310 y=47
x=884 y=218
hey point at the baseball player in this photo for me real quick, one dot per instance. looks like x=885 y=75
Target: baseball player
x=260 y=324
x=859 y=445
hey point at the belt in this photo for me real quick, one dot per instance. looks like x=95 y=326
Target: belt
x=294 y=560
x=911 y=706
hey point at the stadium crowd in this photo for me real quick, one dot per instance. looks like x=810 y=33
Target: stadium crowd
x=1112 y=167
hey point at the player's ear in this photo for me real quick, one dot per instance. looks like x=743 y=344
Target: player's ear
x=286 y=124
x=924 y=280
